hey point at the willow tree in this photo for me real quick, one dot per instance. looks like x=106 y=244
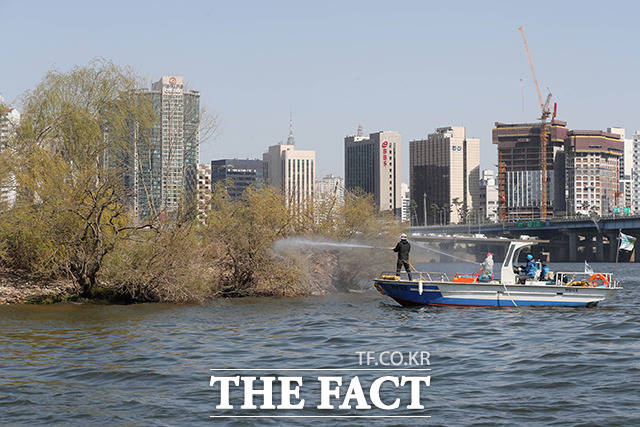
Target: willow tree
x=245 y=229
x=69 y=159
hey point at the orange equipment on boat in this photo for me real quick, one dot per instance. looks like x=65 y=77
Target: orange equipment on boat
x=597 y=278
x=466 y=277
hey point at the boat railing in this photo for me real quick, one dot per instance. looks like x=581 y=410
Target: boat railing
x=420 y=275
x=436 y=276
x=580 y=278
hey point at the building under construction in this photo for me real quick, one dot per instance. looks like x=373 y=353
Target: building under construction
x=531 y=169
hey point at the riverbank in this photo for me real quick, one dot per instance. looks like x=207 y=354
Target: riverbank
x=314 y=273
x=21 y=288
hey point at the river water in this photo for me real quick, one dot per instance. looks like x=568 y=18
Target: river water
x=150 y=364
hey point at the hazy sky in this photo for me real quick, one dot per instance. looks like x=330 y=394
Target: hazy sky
x=393 y=65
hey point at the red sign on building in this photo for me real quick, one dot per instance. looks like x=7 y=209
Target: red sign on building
x=385 y=144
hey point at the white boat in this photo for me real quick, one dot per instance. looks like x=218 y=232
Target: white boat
x=573 y=289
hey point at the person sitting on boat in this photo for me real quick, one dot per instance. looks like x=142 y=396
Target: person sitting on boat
x=402 y=248
x=546 y=274
x=529 y=270
x=486 y=272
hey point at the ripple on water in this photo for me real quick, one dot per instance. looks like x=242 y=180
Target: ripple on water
x=149 y=364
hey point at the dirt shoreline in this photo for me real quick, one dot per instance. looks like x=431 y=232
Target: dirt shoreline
x=17 y=288
x=322 y=274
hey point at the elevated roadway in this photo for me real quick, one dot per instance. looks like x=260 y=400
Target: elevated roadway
x=569 y=239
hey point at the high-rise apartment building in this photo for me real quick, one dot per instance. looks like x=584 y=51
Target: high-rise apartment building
x=163 y=164
x=291 y=171
x=635 y=171
x=330 y=188
x=9 y=121
x=488 y=196
x=373 y=165
x=520 y=179
x=626 y=165
x=444 y=176
x=204 y=188
x=406 y=202
x=237 y=174
x=593 y=171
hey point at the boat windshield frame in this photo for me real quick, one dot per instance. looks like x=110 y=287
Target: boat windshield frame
x=507 y=275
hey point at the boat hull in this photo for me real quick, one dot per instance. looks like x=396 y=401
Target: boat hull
x=491 y=295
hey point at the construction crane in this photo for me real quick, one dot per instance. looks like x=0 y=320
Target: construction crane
x=545 y=108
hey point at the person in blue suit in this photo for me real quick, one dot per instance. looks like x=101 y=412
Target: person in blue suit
x=546 y=274
x=529 y=270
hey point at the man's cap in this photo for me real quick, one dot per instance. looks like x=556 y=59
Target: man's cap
x=403 y=236
x=529 y=256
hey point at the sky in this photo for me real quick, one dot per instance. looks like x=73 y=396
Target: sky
x=407 y=66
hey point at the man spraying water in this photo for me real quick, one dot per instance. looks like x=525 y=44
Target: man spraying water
x=402 y=248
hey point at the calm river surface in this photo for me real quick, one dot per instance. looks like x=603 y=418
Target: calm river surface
x=150 y=364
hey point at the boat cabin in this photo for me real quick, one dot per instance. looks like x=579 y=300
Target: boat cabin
x=508 y=275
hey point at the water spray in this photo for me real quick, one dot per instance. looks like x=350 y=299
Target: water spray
x=298 y=242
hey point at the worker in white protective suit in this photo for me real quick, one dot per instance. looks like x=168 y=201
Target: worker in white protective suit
x=486 y=272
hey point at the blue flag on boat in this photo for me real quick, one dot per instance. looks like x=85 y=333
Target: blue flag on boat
x=626 y=242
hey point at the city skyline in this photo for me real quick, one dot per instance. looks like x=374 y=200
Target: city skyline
x=461 y=69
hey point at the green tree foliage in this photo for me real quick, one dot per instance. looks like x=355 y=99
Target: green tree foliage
x=172 y=263
x=70 y=208
x=72 y=218
x=231 y=254
x=246 y=229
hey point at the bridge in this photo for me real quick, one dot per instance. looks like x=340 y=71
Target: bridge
x=570 y=239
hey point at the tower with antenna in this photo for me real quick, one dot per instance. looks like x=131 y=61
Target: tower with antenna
x=291 y=140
